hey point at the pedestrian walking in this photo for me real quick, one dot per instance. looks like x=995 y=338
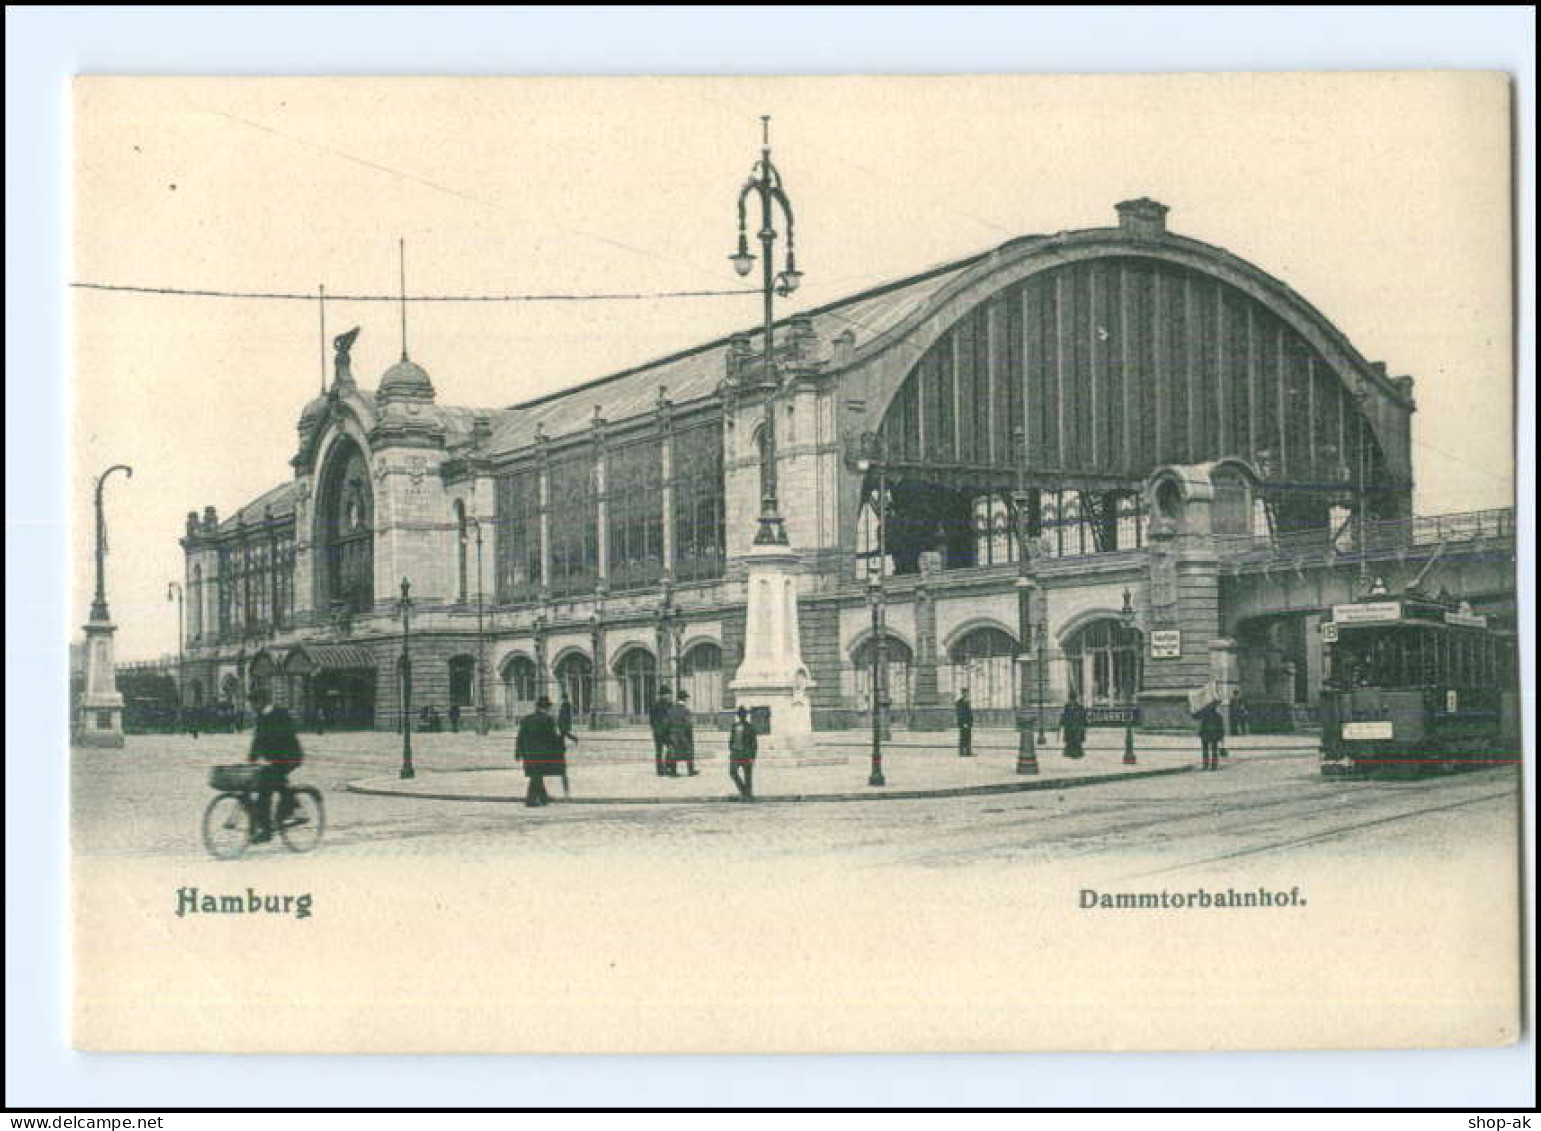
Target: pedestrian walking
x=540 y=747
x=1211 y=731
x=1072 y=727
x=682 y=736
x=454 y=718
x=743 y=745
x=1240 y=723
x=564 y=726
x=658 y=719
x=965 y=713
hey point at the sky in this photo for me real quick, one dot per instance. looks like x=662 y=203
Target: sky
x=1383 y=200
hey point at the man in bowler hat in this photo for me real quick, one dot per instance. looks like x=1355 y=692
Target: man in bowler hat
x=743 y=744
x=540 y=747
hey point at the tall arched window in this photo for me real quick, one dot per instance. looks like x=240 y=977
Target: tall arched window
x=195 y=607
x=347 y=532
x=637 y=671
x=1103 y=662
x=984 y=662
x=520 y=686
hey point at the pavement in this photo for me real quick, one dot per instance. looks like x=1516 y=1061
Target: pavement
x=616 y=768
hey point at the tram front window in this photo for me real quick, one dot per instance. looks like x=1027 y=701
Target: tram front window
x=1385 y=657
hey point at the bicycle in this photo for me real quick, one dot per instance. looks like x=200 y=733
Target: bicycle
x=230 y=821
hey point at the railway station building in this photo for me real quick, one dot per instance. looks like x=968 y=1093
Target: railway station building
x=1200 y=462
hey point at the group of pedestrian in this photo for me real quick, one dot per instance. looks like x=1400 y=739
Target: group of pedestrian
x=674 y=734
x=1073 y=721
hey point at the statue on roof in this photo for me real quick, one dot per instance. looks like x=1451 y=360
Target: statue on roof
x=343 y=365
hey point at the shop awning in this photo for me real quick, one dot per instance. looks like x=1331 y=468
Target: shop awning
x=307 y=659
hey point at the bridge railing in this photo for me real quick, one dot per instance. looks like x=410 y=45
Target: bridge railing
x=1421 y=532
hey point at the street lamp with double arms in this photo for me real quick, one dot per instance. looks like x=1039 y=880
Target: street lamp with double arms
x=1127 y=616
x=1027 y=746
x=765 y=182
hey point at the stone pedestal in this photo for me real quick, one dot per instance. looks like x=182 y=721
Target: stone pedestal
x=101 y=707
x=773 y=673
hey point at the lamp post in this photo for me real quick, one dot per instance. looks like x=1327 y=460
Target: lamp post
x=765 y=182
x=1126 y=615
x=99 y=602
x=482 y=722
x=874 y=458
x=404 y=607
x=674 y=621
x=599 y=671
x=1027 y=748
x=1042 y=639
x=174 y=589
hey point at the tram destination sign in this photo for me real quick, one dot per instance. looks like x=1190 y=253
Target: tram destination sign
x=1368 y=613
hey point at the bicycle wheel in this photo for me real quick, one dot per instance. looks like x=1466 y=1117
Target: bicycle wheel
x=303 y=827
x=227 y=827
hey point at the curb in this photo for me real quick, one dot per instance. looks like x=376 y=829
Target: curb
x=1031 y=786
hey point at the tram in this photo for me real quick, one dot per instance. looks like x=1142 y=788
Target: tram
x=1414 y=685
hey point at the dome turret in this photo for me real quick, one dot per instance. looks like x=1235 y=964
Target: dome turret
x=407 y=380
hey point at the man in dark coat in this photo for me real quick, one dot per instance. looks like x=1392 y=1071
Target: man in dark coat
x=743 y=745
x=965 y=712
x=1239 y=718
x=1072 y=727
x=1211 y=732
x=682 y=736
x=658 y=719
x=454 y=718
x=275 y=741
x=540 y=747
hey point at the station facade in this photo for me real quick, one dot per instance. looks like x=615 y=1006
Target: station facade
x=1138 y=401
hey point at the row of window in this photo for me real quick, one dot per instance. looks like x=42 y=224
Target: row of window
x=566 y=559
x=254 y=589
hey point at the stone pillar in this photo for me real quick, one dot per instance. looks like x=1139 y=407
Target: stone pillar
x=773 y=673
x=1224 y=672
x=928 y=711
x=101 y=704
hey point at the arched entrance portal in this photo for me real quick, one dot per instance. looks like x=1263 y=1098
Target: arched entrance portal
x=1103 y=663
x=520 y=686
x=701 y=676
x=637 y=672
x=575 y=678
x=984 y=661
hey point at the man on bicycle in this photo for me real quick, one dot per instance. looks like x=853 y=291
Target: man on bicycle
x=275 y=741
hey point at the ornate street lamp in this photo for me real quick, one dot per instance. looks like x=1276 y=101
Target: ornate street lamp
x=1127 y=615
x=675 y=622
x=1027 y=749
x=174 y=590
x=482 y=722
x=873 y=457
x=765 y=181
x=404 y=607
x=99 y=603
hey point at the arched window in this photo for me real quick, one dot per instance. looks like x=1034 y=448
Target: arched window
x=637 y=671
x=984 y=662
x=575 y=678
x=1103 y=661
x=899 y=661
x=347 y=532
x=462 y=681
x=195 y=609
x=701 y=675
x=521 y=683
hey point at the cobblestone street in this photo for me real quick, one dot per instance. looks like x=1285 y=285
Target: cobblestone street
x=1266 y=805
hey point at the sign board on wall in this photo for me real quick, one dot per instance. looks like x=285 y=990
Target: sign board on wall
x=1361 y=614
x=1166 y=643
